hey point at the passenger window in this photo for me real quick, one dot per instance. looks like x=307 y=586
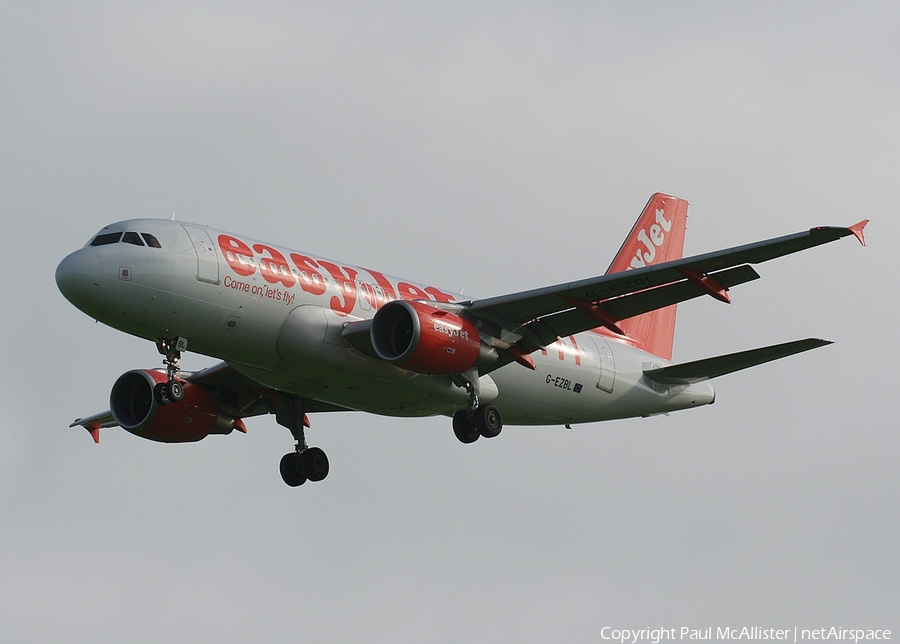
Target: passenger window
x=152 y=241
x=106 y=238
x=132 y=238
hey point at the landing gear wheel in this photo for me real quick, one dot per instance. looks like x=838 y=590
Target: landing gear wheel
x=291 y=472
x=315 y=464
x=174 y=391
x=160 y=394
x=463 y=427
x=488 y=421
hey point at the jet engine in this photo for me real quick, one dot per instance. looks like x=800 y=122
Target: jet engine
x=424 y=339
x=136 y=410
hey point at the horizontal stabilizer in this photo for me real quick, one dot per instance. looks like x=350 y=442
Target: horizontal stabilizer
x=699 y=370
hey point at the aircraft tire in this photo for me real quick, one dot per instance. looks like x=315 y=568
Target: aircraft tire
x=463 y=428
x=159 y=393
x=174 y=391
x=290 y=470
x=488 y=421
x=315 y=464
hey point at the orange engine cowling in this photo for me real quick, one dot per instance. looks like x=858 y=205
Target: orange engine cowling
x=193 y=418
x=424 y=339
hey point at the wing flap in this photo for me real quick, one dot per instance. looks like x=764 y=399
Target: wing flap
x=551 y=327
x=236 y=394
x=700 y=370
x=241 y=396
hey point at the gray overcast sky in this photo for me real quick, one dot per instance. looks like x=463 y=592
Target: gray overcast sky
x=494 y=148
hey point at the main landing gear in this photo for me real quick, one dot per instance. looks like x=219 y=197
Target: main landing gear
x=172 y=390
x=304 y=463
x=485 y=421
x=478 y=420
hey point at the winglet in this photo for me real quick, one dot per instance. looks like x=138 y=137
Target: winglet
x=857 y=230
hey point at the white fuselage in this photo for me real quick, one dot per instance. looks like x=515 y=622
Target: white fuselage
x=276 y=315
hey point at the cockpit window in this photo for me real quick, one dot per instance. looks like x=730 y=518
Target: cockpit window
x=152 y=241
x=106 y=238
x=132 y=238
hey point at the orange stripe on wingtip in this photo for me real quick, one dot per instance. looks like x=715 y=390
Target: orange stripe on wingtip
x=857 y=230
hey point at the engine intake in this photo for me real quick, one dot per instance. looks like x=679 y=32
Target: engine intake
x=192 y=419
x=424 y=339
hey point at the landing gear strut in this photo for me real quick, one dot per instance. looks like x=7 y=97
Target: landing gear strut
x=304 y=463
x=172 y=390
x=477 y=420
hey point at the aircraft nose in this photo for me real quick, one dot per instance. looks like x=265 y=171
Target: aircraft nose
x=78 y=276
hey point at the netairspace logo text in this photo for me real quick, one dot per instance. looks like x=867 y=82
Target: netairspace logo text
x=747 y=633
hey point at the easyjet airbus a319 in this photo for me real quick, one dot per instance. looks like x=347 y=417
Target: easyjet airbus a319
x=299 y=334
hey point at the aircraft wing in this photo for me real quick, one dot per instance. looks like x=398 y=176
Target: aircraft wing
x=538 y=316
x=240 y=396
x=95 y=423
x=236 y=395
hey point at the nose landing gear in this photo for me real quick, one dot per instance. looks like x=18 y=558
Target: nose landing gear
x=172 y=390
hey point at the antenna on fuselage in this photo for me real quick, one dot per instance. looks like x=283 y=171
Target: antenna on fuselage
x=173 y=216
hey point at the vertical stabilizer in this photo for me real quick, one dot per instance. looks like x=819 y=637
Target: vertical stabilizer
x=657 y=237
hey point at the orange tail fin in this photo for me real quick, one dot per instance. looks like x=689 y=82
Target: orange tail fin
x=657 y=237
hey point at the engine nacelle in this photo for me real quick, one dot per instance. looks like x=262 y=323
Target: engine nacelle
x=424 y=339
x=191 y=419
